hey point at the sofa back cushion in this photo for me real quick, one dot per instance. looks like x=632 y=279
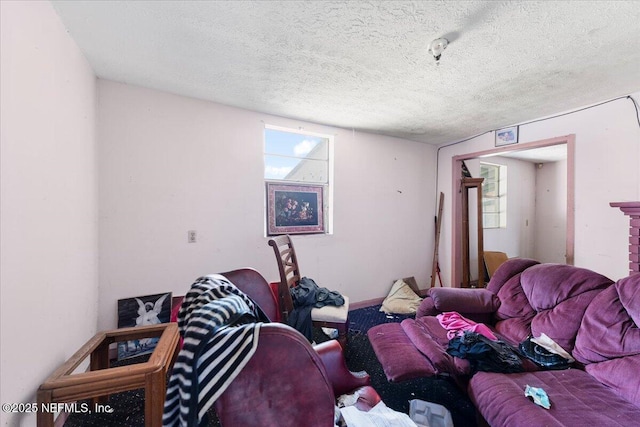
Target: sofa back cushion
x=512 y=319
x=543 y=298
x=608 y=340
x=560 y=294
x=609 y=329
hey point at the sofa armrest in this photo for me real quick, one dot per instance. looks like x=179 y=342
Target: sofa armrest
x=342 y=379
x=469 y=301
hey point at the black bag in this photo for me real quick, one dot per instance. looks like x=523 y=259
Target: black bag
x=541 y=356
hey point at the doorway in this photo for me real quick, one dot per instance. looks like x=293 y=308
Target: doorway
x=540 y=207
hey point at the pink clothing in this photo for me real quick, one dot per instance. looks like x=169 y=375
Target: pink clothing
x=456 y=325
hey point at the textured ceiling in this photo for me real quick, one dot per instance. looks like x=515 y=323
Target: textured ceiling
x=364 y=65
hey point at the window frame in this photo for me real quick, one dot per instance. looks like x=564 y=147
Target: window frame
x=327 y=184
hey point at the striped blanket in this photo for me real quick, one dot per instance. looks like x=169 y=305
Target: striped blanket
x=218 y=343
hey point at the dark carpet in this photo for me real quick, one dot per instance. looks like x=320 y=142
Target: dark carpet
x=128 y=407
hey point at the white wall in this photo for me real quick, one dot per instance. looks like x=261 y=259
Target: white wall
x=607 y=153
x=551 y=212
x=48 y=232
x=169 y=164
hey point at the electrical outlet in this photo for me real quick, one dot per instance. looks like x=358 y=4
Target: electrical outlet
x=191 y=236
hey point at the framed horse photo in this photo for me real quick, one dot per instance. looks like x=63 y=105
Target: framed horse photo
x=294 y=209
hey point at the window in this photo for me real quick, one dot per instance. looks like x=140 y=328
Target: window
x=494 y=195
x=298 y=159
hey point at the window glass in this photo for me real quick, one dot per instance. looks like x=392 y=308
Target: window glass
x=296 y=157
x=494 y=206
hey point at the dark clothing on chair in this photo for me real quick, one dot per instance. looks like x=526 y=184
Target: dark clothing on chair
x=306 y=295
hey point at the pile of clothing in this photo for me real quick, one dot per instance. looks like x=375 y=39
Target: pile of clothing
x=477 y=343
x=307 y=295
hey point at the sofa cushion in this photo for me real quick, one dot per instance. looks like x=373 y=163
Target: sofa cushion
x=608 y=340
x=545 y=298
x=514 y=330
x=621 y=375
x=513 y=317
x=548 y=285
x=629 y=291
x=560 y=295
x=608 y=330
x=430 y=339
x=507 y=270
x=398 y=356
x=505 y=283
x=576 y=397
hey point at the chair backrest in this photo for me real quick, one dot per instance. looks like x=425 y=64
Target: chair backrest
x=279 y=388
x=252 y=283
x=288 y=269
x=493 y=260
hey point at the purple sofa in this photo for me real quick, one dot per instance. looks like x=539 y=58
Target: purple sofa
x=587 y=314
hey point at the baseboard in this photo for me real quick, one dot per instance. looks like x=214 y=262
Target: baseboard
x=366 y=303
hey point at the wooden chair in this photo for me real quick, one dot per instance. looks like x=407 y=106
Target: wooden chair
x=493 y=260
x=327 y=316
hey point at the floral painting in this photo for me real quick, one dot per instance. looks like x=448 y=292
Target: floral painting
x=294 y=209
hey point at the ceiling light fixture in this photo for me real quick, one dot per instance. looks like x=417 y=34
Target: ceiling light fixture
x=436 y=48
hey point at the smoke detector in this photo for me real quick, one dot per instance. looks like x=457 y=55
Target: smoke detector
x=438 y=46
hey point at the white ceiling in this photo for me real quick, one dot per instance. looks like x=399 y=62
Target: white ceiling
x=549 y=154
x=364 y=65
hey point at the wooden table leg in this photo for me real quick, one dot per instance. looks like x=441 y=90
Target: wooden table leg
x=154 y=395
x=99 y=359
x=44 y=419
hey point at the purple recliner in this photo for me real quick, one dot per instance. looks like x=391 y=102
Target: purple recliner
x=287 y=382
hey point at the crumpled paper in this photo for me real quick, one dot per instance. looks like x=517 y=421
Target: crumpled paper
x=538 y=395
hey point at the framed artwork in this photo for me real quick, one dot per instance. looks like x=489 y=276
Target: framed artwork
x=507 y=136
x=139 y=311
x=294 y=209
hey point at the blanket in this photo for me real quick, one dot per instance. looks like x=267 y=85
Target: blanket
x=218 y=324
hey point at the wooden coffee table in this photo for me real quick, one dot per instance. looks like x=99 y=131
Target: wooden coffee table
x=101 y=379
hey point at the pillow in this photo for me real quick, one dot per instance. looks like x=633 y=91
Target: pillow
x=401 y=299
